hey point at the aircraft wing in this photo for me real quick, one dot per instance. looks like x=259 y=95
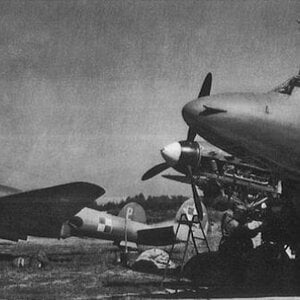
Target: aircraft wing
x=156 y=236
x=7 y=190
x=164 y=235
x=41 y=212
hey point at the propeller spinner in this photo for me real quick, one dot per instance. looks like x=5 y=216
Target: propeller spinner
x=184 y=156
x=179 y=155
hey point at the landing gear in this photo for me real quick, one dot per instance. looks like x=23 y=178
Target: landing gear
x=124 y=259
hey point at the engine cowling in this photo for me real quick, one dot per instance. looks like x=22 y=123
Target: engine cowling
x=181 y=154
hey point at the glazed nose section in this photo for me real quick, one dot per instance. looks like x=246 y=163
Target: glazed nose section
x=171 y=153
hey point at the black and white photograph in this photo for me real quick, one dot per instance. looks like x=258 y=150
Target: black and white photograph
x=150 y=149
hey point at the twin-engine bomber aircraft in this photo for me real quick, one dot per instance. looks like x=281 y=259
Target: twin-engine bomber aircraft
x=42 y=212
x=261 y=135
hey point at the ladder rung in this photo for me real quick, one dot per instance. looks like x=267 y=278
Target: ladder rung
x=184 y=221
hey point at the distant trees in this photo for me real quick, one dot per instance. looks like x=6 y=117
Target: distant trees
x=158 y=208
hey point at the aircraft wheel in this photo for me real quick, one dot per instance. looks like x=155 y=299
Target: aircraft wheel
x=124 y=259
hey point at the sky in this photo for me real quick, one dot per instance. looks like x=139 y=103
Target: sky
x=92 y=90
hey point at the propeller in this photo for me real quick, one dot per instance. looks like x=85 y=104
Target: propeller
x=206 y=86
x=155 y=171
x=177 y=155
x=191 y=134
x=185 y=154
x=196 y=196
x=204 y=91
x=180 y=154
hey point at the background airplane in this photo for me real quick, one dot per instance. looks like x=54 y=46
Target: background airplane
x=42 y=212
x=130 y=228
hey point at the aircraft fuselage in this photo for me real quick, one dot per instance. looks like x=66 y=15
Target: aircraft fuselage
x=263 y=126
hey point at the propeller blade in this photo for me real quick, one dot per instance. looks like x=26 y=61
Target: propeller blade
x=178 y=178
x=197 y=199
x=197 y=202
x=155 y=171
x=206 y=86
x=191 y=134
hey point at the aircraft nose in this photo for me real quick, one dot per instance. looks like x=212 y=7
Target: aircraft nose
x=75 y=222
x=191 y=111
x=171 y=153
x=198 y=110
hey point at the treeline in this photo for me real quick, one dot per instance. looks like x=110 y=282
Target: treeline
x=158 y=208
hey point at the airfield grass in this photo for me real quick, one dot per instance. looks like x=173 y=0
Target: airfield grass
x=83 y=268
x=78 y=269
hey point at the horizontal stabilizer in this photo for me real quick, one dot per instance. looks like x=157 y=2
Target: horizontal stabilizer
x=160 y=236
x=130 y=245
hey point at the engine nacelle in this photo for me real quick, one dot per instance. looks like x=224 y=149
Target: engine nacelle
x=182 y=154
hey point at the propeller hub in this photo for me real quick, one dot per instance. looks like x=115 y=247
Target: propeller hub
x=181 y=154
x=171 y=153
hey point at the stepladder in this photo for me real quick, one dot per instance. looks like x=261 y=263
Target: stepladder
x=195 y=232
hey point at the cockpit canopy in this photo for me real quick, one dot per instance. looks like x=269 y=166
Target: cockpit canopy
x=288 y=86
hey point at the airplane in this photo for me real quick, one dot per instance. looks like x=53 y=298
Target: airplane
x=260 y=134
x=129 y=228
x=42 y=212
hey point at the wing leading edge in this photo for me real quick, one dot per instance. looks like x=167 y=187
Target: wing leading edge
x=41 y=212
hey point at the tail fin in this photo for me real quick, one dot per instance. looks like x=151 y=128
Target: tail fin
x=134 y=212
x=188 y=208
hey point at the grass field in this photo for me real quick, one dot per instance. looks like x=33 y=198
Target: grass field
x=81 y=269
x=78 y=268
